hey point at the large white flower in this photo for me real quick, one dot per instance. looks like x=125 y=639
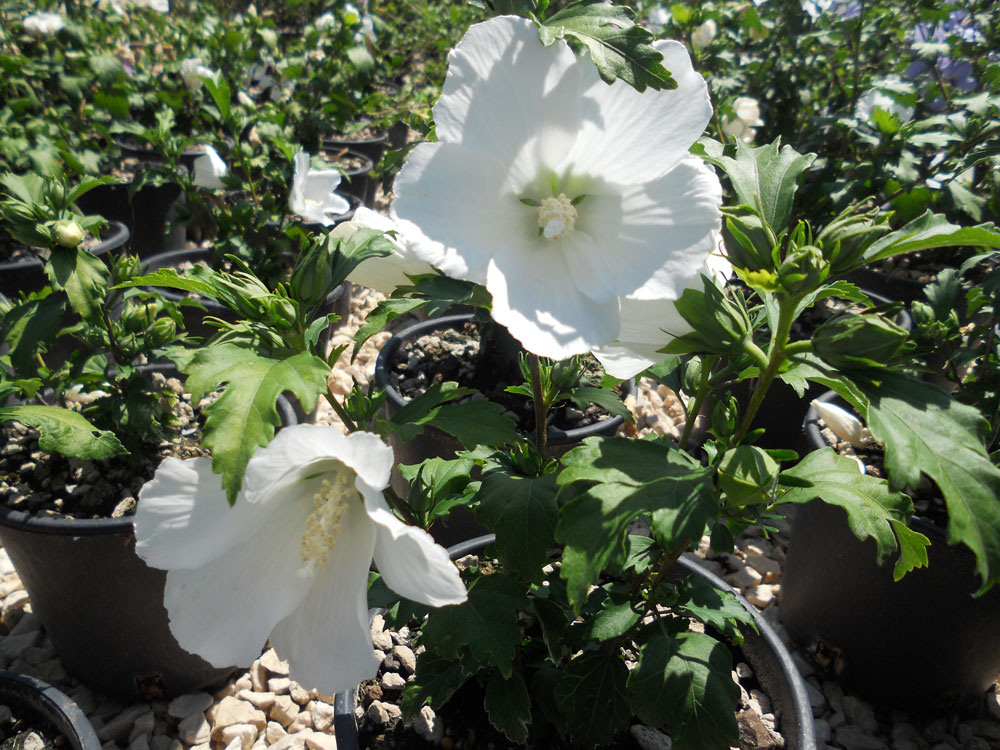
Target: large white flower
x=289 y=561
x=560 y=193
x=312 y=195
x=744 y=125
x=43 y=24
x=385 y=274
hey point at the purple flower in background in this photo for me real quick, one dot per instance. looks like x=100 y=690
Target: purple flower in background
x=956 y=73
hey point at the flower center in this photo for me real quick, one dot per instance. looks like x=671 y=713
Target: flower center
x=323 y=525
x=556 y=217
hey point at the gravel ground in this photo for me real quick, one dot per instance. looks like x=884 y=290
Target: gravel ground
x=262 y=708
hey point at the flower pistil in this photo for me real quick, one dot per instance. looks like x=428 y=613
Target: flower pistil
x=556 y=217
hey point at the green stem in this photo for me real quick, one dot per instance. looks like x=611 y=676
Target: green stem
x=541 y=428
x=799 y=347
x=339 y=409
x=400 y=506
x=775 y=359
x=694 y=406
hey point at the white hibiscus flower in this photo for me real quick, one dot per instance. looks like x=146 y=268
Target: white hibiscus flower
x=192 y=71
x=43 y=24
x=744 y=125
x=560 y=193
x=312 y=195
x=289 y=561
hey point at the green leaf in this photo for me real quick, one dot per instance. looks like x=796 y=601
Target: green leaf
x=871 y=506
x=522 y=512
x=925 y=431
x=592 y=698
x=618 y=46
x=928 y=231
x=555 y=628
x=508 y=705
x=912 y=550
x=719 y=609
x=586 y=395
x=763 y=171
x=65 y=431
x=486 y=624
x=83 y=277
x=385 y=311
x=616 y=617
x=27 y=327
x=436 y=485
x=606 y=483
x=479 y=422
x=245 y=416
x=435 y=682
x=685 y=682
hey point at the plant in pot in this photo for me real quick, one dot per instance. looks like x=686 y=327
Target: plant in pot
x=954 y=654
x=588 y=224
x=85 y=435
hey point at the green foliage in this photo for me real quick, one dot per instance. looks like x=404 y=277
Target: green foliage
x=618 y=46
x=246 y=415
x=595 y=678
x=65 y=431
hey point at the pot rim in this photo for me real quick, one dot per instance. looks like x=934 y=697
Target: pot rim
x=393 y=396
x=800 y=718
x=53 y=705
x=812 y=429
x=367 y=163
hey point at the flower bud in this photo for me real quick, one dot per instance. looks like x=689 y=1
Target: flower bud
x=137 y=318
x=853 y=341
x=312 y=279
x=68 y=233
x=162 y=331
x=281 y=311
x=803 y=270
x=748 y=475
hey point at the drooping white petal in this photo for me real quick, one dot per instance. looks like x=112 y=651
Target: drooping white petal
x=183 y=520
x=326 y=640
x=842 y=423
x=209 y=169
x=224 y=610
x=508 y=96
x=632 y=138
x=646 y=327
x=456 y=198
x=312 y=193
x=535 y=298
x=385 y=274
x=300 y=450
x=411 y=562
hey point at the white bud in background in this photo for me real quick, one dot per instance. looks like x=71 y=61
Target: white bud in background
x=842 y=423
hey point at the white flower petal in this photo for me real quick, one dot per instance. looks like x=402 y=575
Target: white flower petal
x=660 y=233
x=411 y=562
x=296 y=451
x=508 y=96
x=209 y=169
x=842 y=423
x=631 y=138
x=326 y=640
x=385 y=274
x=646 y=326
x=535 y=298
x=183 y=520
x=311 y=195
x=224 y=610
x=456 y=198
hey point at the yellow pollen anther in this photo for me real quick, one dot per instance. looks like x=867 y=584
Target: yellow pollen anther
x=556 y=217
x=323 y=525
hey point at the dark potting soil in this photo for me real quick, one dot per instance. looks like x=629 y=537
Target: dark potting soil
x=47 y=483
x=343 y=159
x=24 y=732
x=453 y=354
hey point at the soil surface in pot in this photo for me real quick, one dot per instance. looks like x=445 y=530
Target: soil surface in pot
x=23 y=732
x=49 y=484
x=452 y=354
x=462 y=724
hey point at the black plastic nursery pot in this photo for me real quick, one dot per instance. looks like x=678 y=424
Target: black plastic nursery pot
x=921 y=642
x=49 y=709
x=144 y=212
x=764 y=651
x=433 y=443
x=101 y=605
x=28 y=275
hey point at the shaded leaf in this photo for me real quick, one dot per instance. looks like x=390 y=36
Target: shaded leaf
x=592 y=698
x=522 y=512
x=508 y=705
x=65 y=431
